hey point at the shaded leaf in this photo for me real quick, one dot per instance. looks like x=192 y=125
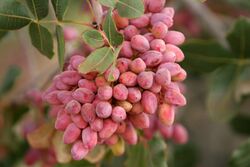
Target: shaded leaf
x=13 y=15
x=205 y=56
x=109 y=27
x=60 y=45
x=221 y=96
x=3 y=34
x=62 y=151
x=239 y=37
x=240 y=157
x=9 y=79
x=243 y=83
x=41 y=137
x=108 y=3
x=42 y=39
x=130 y=8
x=60 y=7
x=81 y=163
x=99 y=61
x=241 y=124
x=93 y=38
x=152 y=155
x=39 y=8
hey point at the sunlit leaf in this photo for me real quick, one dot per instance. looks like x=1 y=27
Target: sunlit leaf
x=108 y=3
x=93 y=38
x=39 y=8
x=60 y=45
x=130 y=8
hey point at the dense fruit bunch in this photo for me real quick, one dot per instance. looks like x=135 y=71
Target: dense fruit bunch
x=91 y=109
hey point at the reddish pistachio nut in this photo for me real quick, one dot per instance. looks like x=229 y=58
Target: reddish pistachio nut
x=175 y=98
x=149 y=36
x=125 y=104
x=123 y=64
x=149 y=102
x=160 y=30
x=128 y=78
x=55 y=109
x=78 y=151
x=158 y=45
x=137 y=108
x=121 y=128
x=174 y=37
x=120 y=92
x=149 y=132
x=130 y=31
x=156 y=6
x=89 y=138
x=62 y=121
x=155 y=88
x=84 y=83
x=101 y=81
x=166 y=131
x=140 y=43
x=112 y=74
x=168 y=11
x=181 y=76
x=71 y=134
x=118 y=114
x=88 y=112
x=178 y=53
x=59 y=84
x=70 y=77
x=134 y=95
x=83 y=95
x=163 y=77
x=121 y=22
x=78 y=120
x=173 y=86
x=140 y=121
x=73 y=107
x=96 y=101
x=130 y=135
x=145 y=79
x=137 y=65
x=173 y=68
x=126 y=50
x=166 y=114
x=140 y=22
x=52 y=98
x=32 y=156
x=180 y=134
x=152 y=58
x=109 y=128
x=168 y=56
x=76 y=60
x=161 y=17
x=103 y=109
x=104 y=92
x=97 y=124
x=64 y=96
x=70 y=33
x=112 y=140
x=90 y=75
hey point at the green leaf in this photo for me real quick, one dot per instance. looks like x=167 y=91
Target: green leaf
x=99 y=61
x=130 y=8
x=9 y=80
x=239 y=38
x=81 y=163
x=3 y=34
x=60 y=7
x=111 y=78
x=243 y=83
x=240 y=157
x=151 y=155
x=240 y=3
x=221 y=96
x=42 y=39
x=241 y=124
x=109 y=27
x=93 y=38
x=60 y=45
x=108 y=3
x=39 y=8
x=205 y=56
x=13 y=15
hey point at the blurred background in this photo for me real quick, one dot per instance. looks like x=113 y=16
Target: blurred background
x=217 y=115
